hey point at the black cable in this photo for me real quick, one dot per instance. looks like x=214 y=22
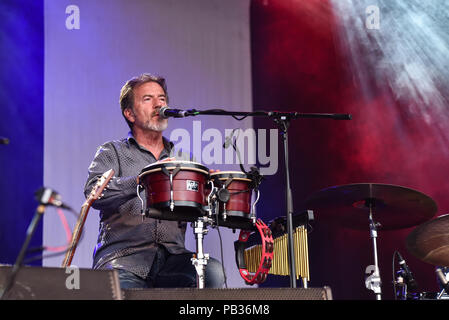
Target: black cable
x=42 y=256
x=221 y=252
x=393 y=275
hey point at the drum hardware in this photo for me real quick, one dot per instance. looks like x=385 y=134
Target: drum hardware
x=256 y=179
x=199 y=260
x=405 y=282
x=172 y=202
x=210 y=208
x=170 y=175
x=142 y=211
x=400 y=287
x=223 y=196
x=253 y=212
x=373 y=282
x=386 y=207
x=443 y=280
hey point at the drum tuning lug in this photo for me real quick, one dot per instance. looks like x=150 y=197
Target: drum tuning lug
x=254 y=220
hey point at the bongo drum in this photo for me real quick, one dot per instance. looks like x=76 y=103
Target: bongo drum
x=234 y=213
x=176 y=187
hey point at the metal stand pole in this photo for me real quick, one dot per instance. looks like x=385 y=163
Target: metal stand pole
x=373 y=282
x=305 y=283
x=19 y=261
x=199 y=260
x=284 y=123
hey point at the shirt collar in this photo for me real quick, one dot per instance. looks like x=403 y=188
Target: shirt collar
x=168 y=145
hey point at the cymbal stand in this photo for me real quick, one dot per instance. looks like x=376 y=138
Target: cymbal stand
x=373 y=281
x=443 y=281
x=199 y=260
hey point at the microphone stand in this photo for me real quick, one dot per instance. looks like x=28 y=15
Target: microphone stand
x=19 y=261
x=282 y=119
x=284 y=123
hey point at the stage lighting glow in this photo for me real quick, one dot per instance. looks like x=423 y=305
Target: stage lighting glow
x=408 y=55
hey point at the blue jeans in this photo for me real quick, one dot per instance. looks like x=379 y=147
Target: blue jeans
x=174 y=271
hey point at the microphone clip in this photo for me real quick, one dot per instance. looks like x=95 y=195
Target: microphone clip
x=48 y=197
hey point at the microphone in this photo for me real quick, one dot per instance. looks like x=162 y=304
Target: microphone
x=442 y=279
x=228 y=140
x=166 y=112
x=47 y=196
x=411 y=282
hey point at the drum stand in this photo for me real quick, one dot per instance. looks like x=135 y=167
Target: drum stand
x=199 y=260
x=373 y=281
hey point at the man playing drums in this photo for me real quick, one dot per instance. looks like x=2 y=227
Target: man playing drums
x=146 y=252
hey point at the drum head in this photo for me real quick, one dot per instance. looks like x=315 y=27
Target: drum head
x=171 y=165
x=235 y=175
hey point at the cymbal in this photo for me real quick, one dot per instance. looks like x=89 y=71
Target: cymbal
x=393 y=207
x=429 y=241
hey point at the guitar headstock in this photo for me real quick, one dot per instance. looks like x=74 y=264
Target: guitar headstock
x=101 y=184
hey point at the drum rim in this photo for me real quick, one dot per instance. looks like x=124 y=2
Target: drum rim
x=241 y=173
x=147 y=170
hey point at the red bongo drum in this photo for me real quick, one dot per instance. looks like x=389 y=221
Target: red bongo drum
x=235 y=213
x=177 y=187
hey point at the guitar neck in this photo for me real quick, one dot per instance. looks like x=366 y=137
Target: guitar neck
x=95 y=194
x=76 y=235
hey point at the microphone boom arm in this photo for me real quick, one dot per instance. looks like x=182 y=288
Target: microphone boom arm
x=269 y=114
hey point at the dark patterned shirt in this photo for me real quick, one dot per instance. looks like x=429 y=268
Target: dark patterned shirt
x=126 y=241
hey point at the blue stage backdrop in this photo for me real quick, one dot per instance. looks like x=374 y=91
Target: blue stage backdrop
x=22 y=105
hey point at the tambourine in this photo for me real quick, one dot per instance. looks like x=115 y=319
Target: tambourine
x=267 y=254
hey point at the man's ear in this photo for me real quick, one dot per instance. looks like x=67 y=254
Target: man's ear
x=129 y=114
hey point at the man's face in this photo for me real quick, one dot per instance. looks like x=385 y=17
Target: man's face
x=148 y=99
